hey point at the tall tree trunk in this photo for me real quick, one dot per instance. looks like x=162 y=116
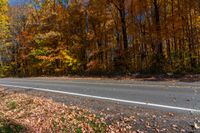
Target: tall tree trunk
x=159 y=44
x=122 y=12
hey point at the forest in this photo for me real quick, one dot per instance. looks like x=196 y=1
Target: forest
x=77 y=37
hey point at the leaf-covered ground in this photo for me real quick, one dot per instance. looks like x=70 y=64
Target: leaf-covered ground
x=32 y=112
x=43 y=115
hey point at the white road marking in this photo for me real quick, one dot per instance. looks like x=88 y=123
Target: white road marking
x=105 y=98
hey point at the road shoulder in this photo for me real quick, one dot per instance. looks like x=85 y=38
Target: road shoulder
x=139 y=118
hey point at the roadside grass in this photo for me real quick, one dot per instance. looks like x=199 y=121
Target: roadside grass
x=11 y=105
x=7 y=126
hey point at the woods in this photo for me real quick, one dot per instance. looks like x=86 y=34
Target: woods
x=55 y=37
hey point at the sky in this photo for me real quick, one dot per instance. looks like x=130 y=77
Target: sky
x=14 y=2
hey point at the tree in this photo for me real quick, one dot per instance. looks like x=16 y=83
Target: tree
x=53 y=37
x=121 y=7
x=4 y=29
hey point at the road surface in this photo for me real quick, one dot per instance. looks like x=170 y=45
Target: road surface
x=178 y=96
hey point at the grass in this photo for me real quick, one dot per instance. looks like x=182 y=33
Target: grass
x=79 y=130
x=7 y=126
x=12 y=105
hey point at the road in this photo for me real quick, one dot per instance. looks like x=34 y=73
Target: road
x=179 y=96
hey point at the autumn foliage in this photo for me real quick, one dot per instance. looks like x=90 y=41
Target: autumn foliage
x=55 y=37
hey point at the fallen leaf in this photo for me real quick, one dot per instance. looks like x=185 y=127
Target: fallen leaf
x=195 y=126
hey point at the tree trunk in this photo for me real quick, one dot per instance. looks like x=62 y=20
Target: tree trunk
x=122 y=12
x=159 y=44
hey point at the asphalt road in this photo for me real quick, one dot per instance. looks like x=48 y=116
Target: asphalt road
x=155 y=94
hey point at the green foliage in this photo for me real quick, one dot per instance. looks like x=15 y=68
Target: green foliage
x=12 y=105
x=39 y=52
x=79 y=130
x=5 y=70
x=10 y=127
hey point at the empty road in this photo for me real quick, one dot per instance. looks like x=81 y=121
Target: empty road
x=178 y=96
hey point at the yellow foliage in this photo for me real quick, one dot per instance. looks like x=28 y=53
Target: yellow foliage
x=3 y=18
x=198 y=22
x=66 y=58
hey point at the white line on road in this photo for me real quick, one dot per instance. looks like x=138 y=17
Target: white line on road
x=105 y=98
